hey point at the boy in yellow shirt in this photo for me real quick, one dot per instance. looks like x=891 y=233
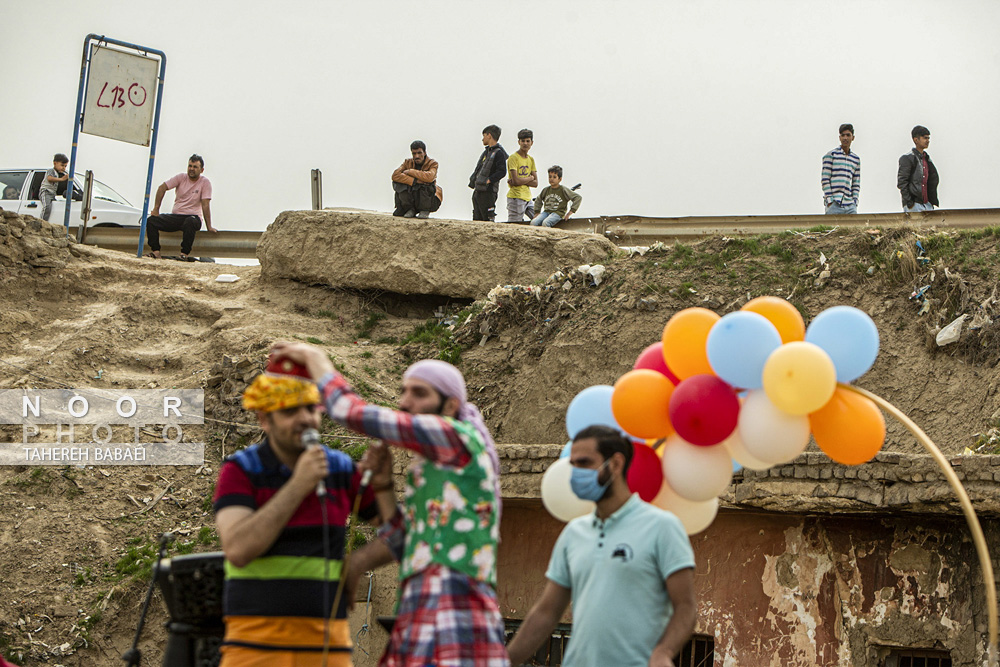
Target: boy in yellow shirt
x=521 y=176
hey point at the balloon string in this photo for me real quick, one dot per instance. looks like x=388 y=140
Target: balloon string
x=658 y=445
x=982 y=550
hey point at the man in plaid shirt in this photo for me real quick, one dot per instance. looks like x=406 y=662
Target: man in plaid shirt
x=446 y=533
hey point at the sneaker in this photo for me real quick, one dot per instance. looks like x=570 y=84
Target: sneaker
x=423 y=215
x=410 y=213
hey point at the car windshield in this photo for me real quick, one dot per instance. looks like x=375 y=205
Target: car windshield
x=104 y=192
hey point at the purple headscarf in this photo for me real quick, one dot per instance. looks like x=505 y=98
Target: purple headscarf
x=448 y=381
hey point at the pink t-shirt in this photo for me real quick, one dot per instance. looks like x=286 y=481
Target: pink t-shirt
x=187 y=198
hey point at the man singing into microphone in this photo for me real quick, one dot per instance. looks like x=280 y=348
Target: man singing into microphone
x=446 y=535
x=270 y=520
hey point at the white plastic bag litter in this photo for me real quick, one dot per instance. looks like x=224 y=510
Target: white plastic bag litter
x=227 y=278
x=950 y=333
x=597 y=273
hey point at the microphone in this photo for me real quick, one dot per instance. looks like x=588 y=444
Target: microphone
x=366 y=476
x=310 y=439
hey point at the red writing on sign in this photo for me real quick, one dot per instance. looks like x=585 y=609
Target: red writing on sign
x=135 y=94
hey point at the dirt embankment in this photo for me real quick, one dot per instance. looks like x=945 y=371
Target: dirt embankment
x=76 y=541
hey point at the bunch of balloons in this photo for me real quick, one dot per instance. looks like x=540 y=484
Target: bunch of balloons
x=718 y=393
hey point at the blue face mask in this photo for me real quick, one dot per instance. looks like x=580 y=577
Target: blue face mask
x=585 y=484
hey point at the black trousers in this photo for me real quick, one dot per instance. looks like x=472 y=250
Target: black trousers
x=484 y=204
x=171 y=222
x=418 y=197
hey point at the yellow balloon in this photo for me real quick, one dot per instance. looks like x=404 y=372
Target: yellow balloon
x=799 y=378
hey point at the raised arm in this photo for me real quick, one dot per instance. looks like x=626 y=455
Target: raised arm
x=431 y=436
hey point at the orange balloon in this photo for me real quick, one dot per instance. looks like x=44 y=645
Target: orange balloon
x=784 y=316
x=849 y=428
x=641 y=403
x=684 y=340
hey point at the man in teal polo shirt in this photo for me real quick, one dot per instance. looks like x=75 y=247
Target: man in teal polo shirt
x=628 y=569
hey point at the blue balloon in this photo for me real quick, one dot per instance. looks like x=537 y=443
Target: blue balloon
x=590 y=407
x=849 y=336
x=738 y=347
x=565 y=450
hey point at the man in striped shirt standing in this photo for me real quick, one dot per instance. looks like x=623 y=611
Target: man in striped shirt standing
x=283 y=536
x=842 y=175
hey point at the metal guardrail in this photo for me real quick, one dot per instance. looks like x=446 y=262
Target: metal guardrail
x=228 y=244
x=623 y=229
x=638 y=230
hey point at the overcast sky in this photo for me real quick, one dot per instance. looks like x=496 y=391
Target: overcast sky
x=662 y=108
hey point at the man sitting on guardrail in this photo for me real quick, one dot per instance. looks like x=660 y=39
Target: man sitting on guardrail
x=191 y=203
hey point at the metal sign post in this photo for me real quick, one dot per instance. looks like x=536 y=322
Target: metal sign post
x=317 y=190
x=85 y=206
x=119 y=98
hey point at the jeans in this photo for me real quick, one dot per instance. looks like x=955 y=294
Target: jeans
x=915 y=207
x=833 y=208
x=546 y=219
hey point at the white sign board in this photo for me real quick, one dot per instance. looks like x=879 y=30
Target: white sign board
x=121 y=91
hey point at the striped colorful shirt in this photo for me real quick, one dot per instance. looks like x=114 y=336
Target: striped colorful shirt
x=841 y=177
x=276 y=602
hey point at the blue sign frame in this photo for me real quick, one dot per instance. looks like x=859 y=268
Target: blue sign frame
x=88 y=43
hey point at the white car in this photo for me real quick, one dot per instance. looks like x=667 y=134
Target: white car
x=19 y=193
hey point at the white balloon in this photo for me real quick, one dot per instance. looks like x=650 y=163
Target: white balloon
x=738 y=451
x=696 y=517
x=696 y=473
x=558 y=496
x=769 y=434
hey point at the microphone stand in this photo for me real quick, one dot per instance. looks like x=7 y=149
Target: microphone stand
x=366 y=479
x=133 y=656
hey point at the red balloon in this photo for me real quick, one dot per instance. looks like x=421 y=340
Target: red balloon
x=704 y=410
x=645 y=473
x=652 y=358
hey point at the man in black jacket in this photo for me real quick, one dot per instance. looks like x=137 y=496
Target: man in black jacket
x=487 y=176
x=917 y=178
